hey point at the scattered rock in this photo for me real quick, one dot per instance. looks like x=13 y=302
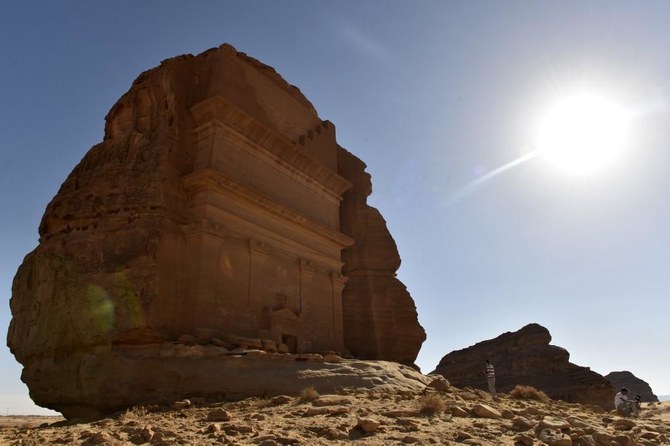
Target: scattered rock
x=281 y=399
x=331 y=400
x=368 y=425
x=182 y=404
x=603 y=438
x=368 y=417
x=462 y=435
x=482 y=410
x=332 y=433
x=439 y=382
x=218 y=415
x=520 y=423
x=524 y=439
x=457 y=411
x=554 y=437
x=99 y=438
x=548 y=422
x=147 y=433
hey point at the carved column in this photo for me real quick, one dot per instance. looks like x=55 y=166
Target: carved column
x=307 y=271
x=338 y=281
x=258 y=254
x=203 y=241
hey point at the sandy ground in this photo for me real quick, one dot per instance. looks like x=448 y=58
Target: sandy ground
x=27 y=421
x=365 y=417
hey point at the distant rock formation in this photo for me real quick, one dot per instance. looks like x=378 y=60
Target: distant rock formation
x=635 y=385
x=525 y=357
x=219 y=209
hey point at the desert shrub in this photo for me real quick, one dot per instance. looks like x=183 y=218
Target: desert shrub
x=431 y=404
x=308 y=394
x=528 y=393
x=135 y=413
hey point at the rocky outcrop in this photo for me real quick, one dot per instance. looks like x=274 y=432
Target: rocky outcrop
x=525 y=357
x=218 y=206
x=378 y=310
x=164 y=373
x=635 y=385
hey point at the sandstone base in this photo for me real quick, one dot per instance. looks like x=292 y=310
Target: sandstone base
x=114 y=379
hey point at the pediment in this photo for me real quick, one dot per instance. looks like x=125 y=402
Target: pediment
x=285 y=313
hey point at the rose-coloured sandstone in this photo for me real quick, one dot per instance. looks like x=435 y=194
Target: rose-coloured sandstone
x=218 y=216
x=525 y=357
x=635 y=385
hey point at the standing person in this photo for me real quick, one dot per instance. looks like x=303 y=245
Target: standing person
x=490 y=377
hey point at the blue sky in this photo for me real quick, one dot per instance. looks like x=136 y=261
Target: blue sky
x=431 y=95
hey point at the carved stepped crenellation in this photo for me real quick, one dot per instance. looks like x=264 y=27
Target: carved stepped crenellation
x=319 y=142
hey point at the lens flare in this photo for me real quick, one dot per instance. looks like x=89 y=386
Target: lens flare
x=583 y=134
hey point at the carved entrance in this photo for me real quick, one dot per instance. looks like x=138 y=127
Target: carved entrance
x=285 y=328
x=291 y=341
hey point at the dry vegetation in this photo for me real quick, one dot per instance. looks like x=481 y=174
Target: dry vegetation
x=528 y=393
x=432 y=404
x=308 y=394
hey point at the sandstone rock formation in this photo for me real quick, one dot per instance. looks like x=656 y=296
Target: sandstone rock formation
x=525 y=357
x=635 y=385
x=379 y=314
x=219 y=209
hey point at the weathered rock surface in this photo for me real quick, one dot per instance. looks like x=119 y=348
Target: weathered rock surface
x=159 y=378
x=635 y=385
x=376 y=417
x=378 y=310
x=525 y=357
x=218 y=210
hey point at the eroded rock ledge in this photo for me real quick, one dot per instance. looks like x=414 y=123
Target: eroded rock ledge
x=164 y=373
x=635 y=385
x=525 y=357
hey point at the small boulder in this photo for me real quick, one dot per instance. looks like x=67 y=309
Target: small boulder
x=218 y=415
x=438 y=382
x=625 y=440
x=603 y=437
x=554 y=437
x=281 y=399
x=485 y=411
x=520 y=423
x=462 y=435
x=524 y=439
x=368 y=425
x=548 y=422
x=147 y=433
x=181 y=404
x=331 y=400
x=459 y=412
x=624 y=424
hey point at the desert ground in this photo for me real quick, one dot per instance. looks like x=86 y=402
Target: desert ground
x=449 y=416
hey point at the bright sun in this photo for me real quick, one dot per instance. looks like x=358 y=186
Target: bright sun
x=583 y=134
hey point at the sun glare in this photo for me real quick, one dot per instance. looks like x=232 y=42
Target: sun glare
x=583 y=134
